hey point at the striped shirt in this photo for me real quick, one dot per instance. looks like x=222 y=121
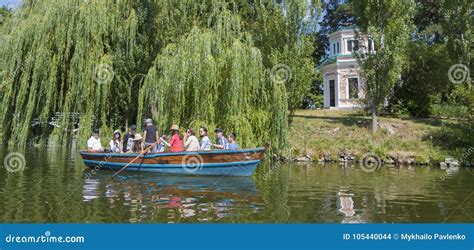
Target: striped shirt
x=223 y=142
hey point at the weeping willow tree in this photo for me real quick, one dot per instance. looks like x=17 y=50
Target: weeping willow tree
x=59 y=56
x=114 y=61
x=215 y=77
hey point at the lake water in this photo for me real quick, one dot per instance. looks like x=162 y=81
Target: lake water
x=56 y=187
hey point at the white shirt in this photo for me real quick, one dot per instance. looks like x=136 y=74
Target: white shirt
x=205 y=143
x=192 y=143
x=113 y=147
x=94 y=143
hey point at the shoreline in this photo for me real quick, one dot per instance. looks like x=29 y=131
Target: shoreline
x=353 y=159
x=345 y=136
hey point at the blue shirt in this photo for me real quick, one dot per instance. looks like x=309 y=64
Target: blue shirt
x=233 y=146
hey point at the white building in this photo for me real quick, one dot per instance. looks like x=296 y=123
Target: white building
x=343 y=86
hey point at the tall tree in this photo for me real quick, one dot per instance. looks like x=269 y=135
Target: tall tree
x=337 y=14
x=439 y=42
x=214 y=77
x=99 y=59
x=283 y=31
x=5 y=14
x=389 y=24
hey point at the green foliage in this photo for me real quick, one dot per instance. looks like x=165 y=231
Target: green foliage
x=440 y=42
x=424 y=77
x=314 y=98
x=5 y=14
x=51 y=54
x=284 y=33
x=338 y=14
x=388 y=24
x=193 y=62
x=215 y=77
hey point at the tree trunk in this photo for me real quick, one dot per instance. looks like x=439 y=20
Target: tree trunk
x=374 y=119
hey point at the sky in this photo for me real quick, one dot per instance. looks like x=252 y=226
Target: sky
x=9 y=3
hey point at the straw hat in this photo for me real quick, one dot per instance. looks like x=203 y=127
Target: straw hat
x=117 y=131
x=174 y=127
x=137 y=137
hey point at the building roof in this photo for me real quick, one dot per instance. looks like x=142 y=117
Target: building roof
x=334 y=58
x=343 y=29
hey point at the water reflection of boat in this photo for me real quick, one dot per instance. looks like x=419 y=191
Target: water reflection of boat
x=346 y=207
x=173 y=198
x=241 y=162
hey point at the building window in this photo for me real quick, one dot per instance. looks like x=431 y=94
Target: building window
x=370 y=45
x=353 y=87
x=334 y=48
x=337 y=47
x=352 y=45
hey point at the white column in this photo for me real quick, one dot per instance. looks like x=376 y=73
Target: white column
x=337 y=89
x=326 y=92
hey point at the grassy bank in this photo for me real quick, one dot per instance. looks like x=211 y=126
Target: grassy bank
x=320 y=133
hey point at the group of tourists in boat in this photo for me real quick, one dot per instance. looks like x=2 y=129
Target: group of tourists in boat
x=134 y=142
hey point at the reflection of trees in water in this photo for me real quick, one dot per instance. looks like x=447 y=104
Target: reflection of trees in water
x=344 y=193
x=52 y=189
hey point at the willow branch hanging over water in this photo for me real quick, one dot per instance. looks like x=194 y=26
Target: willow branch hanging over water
x=57 y=57
x=214 y=77
x=109 y=61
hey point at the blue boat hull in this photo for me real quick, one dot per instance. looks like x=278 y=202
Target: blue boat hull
x=246 y=168
x=241 y=162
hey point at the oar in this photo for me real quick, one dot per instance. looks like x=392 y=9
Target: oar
x=128 y=164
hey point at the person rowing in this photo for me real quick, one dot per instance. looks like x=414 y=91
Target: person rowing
x=150 y=133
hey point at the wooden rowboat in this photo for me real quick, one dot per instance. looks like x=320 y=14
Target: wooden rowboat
x=242 y=162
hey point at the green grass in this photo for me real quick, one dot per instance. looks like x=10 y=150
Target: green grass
x=319 y=132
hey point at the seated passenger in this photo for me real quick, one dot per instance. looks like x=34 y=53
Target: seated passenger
x=191 y=142
x=128 y=139
x=93 y=144
x=115 y=144
x=205 y=141
x=232 y=143
x=137 y=144
x=222 y=141
x=160 y=147
x=176 y=143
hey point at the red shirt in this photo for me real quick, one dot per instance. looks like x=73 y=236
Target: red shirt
x=176 y=144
